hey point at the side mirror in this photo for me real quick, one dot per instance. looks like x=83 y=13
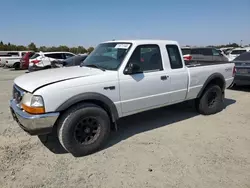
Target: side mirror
x=132 y=69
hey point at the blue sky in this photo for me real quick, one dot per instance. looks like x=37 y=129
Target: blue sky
x=82 y=22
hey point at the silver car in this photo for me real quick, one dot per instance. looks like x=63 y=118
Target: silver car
x=203 y=54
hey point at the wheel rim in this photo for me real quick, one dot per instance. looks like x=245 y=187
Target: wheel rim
x=87 y=130
x=212 y=99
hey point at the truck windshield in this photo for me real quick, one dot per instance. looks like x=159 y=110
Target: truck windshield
x=107 y=56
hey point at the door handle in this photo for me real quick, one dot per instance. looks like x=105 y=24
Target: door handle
x=164 y=77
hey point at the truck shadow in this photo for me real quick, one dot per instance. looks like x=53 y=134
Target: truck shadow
x=147 y=121
x=139 y=123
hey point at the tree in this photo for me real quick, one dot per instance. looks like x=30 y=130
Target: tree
x=21 y=48
x=81 y=49
x=73 y=50
x=1 y=43
x=90 y=49
x=63 y=48
x=32 y=47
x=42 y=49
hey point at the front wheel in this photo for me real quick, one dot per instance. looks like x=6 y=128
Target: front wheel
x=83 y=129
x=211 y=101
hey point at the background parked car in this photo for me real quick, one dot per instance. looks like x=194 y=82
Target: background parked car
x=72 y=61
x=24 y=62
x=7 y=54
x=236 y=52
x=14 y=60
x=242 y=64
x=204 y=54
x=42 y=60
x=226 y=50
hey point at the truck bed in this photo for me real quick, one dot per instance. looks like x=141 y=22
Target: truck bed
x=199 y=73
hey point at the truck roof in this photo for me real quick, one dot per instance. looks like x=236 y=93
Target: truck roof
x=144 y=41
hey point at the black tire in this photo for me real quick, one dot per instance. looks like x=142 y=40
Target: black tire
x=16 y=66
x=76 y=129
x=211 y=101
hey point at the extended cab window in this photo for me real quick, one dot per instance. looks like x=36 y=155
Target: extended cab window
x=148 y=57
x=174 y=56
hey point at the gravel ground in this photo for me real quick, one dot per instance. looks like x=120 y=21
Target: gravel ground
x=168 y=147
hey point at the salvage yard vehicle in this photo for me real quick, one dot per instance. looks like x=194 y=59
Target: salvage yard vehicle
x=42 y=60
x=205 y=54
x=236 y=52
x=72 y=61
x=83 y=103
x=242 y=65
x=13 y=61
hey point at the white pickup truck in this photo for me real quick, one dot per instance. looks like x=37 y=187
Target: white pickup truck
x=82 y=104
x=14 y=60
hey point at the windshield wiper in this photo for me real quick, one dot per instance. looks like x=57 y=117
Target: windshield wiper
x=94 y=66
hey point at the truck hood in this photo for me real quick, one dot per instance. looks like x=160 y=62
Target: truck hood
x=31 y=81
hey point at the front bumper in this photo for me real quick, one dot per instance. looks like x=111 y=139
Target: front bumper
x=33 y=124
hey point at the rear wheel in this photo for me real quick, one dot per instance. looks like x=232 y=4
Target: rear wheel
x=83 y=129
x=211 y=101
x=16 y=66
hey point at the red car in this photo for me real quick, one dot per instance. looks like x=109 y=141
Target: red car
x=25 y=60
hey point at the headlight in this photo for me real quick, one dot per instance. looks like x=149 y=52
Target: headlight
x=33 y=104
x=36 y=101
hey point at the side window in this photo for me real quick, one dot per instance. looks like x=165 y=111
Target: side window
x=174 y=56
x=206 y=51
x=55 y=56
x=148 y=57
x=13 y=53
x=195 y=51
x=67 y=55
x=215 y=52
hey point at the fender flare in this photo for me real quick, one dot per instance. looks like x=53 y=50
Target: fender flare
x=209 y=79
x=91 y=96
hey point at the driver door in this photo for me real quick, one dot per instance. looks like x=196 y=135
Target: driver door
x=148 y=88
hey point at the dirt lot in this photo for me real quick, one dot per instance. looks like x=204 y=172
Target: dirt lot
x=168 y=147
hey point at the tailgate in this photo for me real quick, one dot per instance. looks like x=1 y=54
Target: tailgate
x=242 y=67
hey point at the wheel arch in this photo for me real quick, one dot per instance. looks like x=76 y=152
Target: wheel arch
x=217 y=79
x=95 y=98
